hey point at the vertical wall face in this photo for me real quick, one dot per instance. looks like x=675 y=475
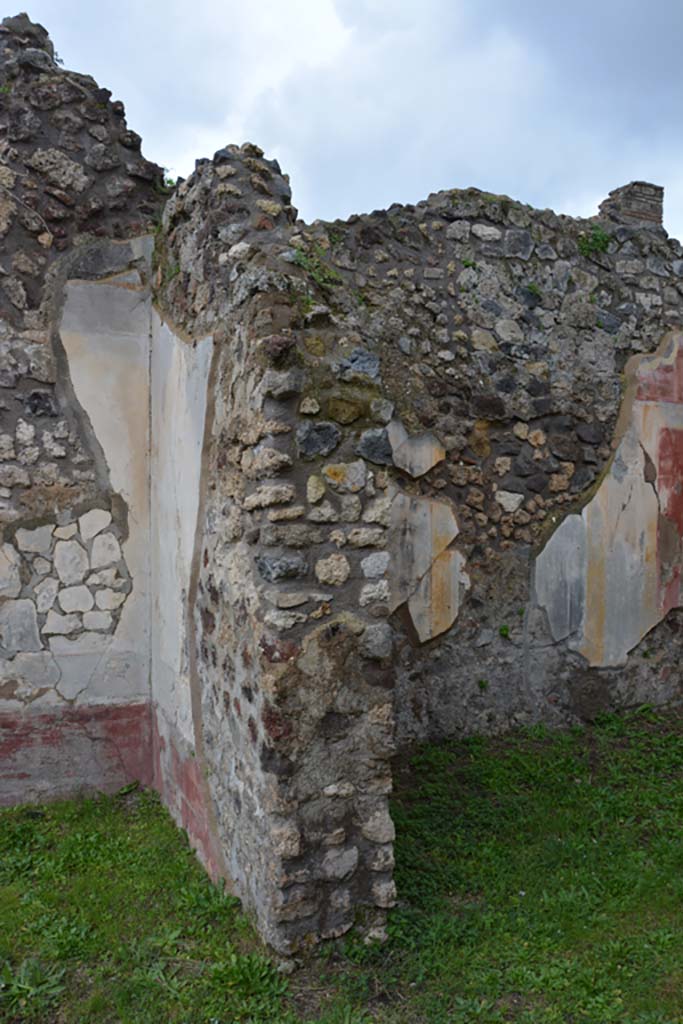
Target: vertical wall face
x=406 y=407
x=180 y=373
x=292 y=668
x=105 y=336
x=179 y=389
x=74 y=651
x=74 y=626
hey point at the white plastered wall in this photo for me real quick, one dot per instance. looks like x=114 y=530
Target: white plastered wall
x=144 y=391
x=179 y=376
x=105 y=333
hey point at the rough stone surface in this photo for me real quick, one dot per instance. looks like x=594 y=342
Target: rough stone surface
x=334 y=570
x=71 y=561
x=76 y=599
x=93 y=522
x=105 y=551
x=317 y=439
x=10 y=576
x=37 y=541
x=18 y=627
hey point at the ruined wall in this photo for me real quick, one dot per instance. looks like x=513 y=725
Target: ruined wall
x=74 y=700
x=406 y=405
x=296 y=733
x=280 y=499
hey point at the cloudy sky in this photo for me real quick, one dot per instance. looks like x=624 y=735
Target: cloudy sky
x=369 y=102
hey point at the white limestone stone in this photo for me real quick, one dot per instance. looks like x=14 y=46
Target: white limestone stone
x=97 y=620
x=46 y=592
x=108 y=600
x=52 y=447
x=315 y=489
x=71 y=561
x=379 y=828
x=384 y=893
x=62 y=624
x=284 y=620
x=103 y=578
x=93 y=522
x=10 y=578
x=66 y=532
x=105 y=551
x=41 y=566
x=378 y=511
x=350 y=508
x=36 y=541
x=19 y=627
x=76 y=599
x=7 y=452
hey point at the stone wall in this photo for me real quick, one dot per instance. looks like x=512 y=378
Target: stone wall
x=75 y=195
x=280 y=499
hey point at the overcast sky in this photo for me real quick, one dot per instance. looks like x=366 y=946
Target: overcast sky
x=369 y=102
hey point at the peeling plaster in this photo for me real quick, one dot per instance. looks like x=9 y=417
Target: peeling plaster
x=610 y=574
x=426 y=574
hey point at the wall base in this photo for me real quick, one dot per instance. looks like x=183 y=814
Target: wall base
x=51 y=755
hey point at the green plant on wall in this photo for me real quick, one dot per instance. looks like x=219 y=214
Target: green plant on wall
x=314 y=263
x=597 y=240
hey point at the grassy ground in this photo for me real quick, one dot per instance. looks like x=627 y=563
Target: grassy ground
x=541 y=881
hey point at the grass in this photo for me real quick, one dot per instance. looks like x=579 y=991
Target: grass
x=106 y=916
x=540 y=876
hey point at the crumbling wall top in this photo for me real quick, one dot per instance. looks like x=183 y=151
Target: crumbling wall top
x=638 y=202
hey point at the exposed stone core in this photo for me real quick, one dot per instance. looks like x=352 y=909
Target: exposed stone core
x=278 y=499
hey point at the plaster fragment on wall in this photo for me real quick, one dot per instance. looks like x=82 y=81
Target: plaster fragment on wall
x=28 y=677
x=415 y=455
x=561 y=578
x=427 y=574
x=607 y=576
x=435 y=604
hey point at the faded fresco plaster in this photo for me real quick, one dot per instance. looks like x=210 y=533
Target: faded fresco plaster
x=607 y=576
